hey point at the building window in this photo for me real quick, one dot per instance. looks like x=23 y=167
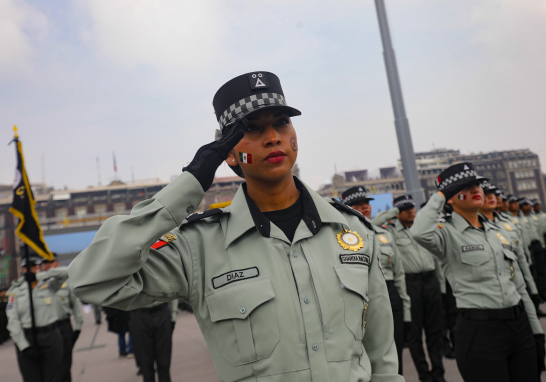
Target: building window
x=100 y=210
x=61 y=214
x=501 y=175
x=81 y=212
x=119 y=208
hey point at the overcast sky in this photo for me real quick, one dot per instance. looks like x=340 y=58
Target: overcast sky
x=84 y=78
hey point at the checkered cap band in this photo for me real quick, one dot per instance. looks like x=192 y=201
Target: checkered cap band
x=404 y=202
x=249 y=104
x=356 y=195
x=456 y=177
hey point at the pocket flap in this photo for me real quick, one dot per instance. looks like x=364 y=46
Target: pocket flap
x=239 y=300
x=386 y=250
x=475 y=258
x=509 y=254
x=353 y=278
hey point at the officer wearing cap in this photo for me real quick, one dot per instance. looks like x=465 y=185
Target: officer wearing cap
x=497 y=319
x=536 y=240
x=38 y=360
x=424 y=278
x=285 y=285
x=67 y=305
x=356 y=198
x=540 y=215
x=510 y=232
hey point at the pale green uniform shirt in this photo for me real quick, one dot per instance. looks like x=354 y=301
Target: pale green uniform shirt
x=415 y=258
x=480 y=265
x=538 y=227
x=393 y=268
x=523 y=233
x=532 y=228
x=68 y=304
x=511 y=233
x=542 y=218
x=43 y=298
x=269 y=309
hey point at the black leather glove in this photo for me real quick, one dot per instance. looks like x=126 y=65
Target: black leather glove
x=209 y=157
x=407 y=330
x=453 y=189
x=541 y=352
x=31 y=353
x=30 y=277
x=75 y=335
x=536 y=300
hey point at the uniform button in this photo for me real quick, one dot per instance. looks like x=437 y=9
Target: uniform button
x=242 y=310
x=189 y=209
x=295 y=254
x=315 y=347
x=306 y=299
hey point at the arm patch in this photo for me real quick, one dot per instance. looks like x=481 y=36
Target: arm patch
x=159 y=244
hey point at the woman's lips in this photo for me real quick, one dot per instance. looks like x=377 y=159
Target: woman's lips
x=275 y=157
x=477 y=197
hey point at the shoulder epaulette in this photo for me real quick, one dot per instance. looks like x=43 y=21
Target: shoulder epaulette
x=343 y=207
x=201 y=215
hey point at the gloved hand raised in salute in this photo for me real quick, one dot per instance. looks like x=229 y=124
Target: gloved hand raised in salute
x=209 y=157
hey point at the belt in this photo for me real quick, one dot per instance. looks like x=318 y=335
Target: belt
x=505 y=314
x=41 y=329
x=419 y=276
x=64 y=321
x=155 y=309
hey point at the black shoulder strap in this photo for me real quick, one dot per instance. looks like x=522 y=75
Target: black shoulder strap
x=343 y=207
x=201 y=215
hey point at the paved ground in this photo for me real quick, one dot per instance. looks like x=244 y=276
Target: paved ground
x=96 y=357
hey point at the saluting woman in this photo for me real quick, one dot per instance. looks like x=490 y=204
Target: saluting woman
x=498 y=336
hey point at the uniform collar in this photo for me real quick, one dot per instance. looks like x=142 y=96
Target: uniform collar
x=399 y=226
x=244 y=215
x=462 y=224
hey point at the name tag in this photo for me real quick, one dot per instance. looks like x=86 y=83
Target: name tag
x=355 y=259
x=507 y=246
x=232 y=276
x=475 y=247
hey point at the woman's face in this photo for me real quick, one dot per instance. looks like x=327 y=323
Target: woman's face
x=471 y=198
x=490 y=202
x=270 y=142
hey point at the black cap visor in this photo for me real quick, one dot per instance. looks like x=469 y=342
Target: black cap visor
x=290 y=111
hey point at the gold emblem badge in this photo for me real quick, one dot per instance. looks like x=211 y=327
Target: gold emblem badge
x=47 y=300
x=504 y=241
x=535 y=218
x=350 y=240
x=508 y=226
x=383 y=239
x=169 y=237
x=516 y=221
x=64 y=285
x=43 y=286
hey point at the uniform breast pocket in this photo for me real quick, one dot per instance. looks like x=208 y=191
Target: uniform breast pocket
x=481 y=264
x=510 y=260
x=354 y=282
x=386 y=257
x=63 y=295
x=245 y=317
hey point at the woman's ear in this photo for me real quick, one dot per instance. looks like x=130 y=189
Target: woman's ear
x=450 y=201
x=231 y=161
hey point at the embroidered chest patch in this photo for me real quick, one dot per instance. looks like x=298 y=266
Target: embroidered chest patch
x=232 y=276
x=362 y=259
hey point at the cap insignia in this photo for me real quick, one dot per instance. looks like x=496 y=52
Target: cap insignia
x=350 y=240
x=258 y=80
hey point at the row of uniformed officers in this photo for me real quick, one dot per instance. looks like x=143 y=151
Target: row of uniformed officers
x=286 y=285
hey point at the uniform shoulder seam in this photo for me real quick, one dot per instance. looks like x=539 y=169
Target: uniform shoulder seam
x=342 y=207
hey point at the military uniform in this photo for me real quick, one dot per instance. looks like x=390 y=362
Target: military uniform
x=68 y=305
x=46 y=364
x=497 y=320
x=423 y=280
x=536 y=245
x=393 y=271
x=151 y=333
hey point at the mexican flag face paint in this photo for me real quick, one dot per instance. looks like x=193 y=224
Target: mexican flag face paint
x=245 y=158
x=461 y=197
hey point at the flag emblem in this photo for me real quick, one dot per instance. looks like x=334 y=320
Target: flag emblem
x=245 y=158
x=437 y=181
x=461 y=197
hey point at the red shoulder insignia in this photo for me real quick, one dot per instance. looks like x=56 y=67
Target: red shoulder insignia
x=158 y=244
x=384 y=226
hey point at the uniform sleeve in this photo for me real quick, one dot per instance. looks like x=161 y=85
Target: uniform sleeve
x=400 y=284
x=440 y=274
x=425 y=229
x=383 y=217
x=524 y=266
x=57 y=277
x=529 y=306
x=119 y=269
x=379 y=337
x=14 y=325
x=174 y=310
x=77 y=311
